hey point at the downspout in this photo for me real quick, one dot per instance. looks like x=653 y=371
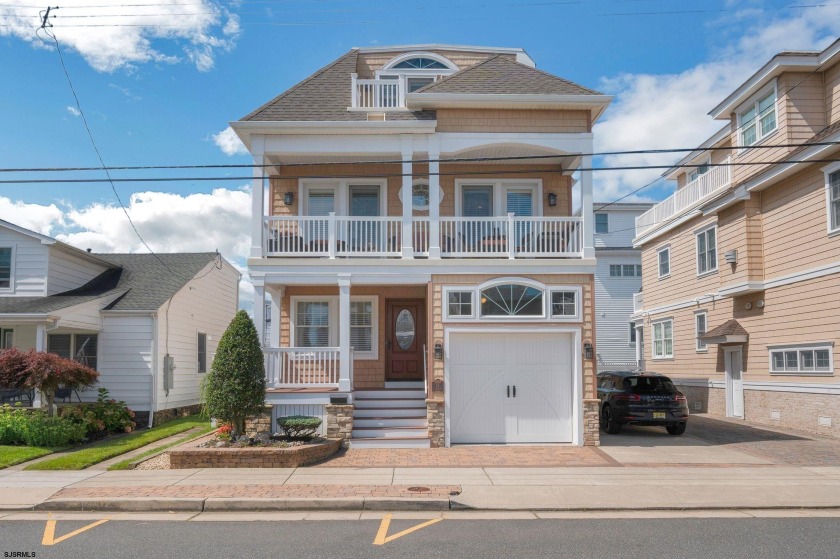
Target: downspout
x=153 y=399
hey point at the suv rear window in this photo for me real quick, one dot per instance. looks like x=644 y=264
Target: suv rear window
x=644 y=385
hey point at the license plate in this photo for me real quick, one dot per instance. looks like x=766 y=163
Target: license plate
x=659 y=415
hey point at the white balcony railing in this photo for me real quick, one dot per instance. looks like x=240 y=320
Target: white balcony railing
x=459 y=237
x=377 y=93
x=689 y=196
x=638 y=301
x=302 y=367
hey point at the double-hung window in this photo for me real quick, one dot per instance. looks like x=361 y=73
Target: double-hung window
x=5 y=267
x=316 y=323
x=312 y=324
x=805 y=359
x=707 y=250
x=758 y=120
x=602 y=223
x=700 y=328
x=663 y=339
x=664 y=260
x=361 y=326
x=832 y=183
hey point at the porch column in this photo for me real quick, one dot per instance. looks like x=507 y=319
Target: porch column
x=639 y=356
x=586 y=208
x=344 y=364
x=276 y=294
x=434 y=197
x=407 y=207
x=259 y=312
x=257 y=197
x=40 y=345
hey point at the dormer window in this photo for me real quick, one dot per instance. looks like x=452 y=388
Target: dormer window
x=403 y=74
x=758 y=119
x=422 y=63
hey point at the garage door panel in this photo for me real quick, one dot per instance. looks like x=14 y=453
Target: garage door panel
x=475 y=404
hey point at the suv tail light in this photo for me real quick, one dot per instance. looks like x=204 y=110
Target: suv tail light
x=680 y=398
x=628 y=397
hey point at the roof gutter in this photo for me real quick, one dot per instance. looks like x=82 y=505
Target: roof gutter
x=246 y=128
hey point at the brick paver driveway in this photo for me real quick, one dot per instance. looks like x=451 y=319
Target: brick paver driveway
x=777 y=446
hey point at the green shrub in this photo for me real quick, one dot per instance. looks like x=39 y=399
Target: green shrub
x=300 y=427
x=13 y=422
x=42 y=430
x=106 y=414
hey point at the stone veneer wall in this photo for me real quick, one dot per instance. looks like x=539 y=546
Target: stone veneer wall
x=260 y=424
x=340 y=422
x=797 y=410
x=591 y=422
x=162 y=416
x=265 y=457
x=436 y=421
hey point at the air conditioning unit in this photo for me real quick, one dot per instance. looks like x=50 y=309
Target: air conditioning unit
x=731 y=256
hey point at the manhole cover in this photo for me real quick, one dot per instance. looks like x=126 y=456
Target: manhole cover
x=419 y=489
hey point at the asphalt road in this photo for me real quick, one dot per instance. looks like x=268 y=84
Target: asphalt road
x=724 y=538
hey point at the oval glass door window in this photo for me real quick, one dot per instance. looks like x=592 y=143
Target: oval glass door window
x=405 y=329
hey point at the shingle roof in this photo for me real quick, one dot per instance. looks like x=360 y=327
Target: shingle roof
x=502 y=76
x=729 y=328
x=139 y=281
x=324 y=96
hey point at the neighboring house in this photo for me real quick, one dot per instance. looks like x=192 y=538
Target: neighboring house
x=618 y=279
x=442 y=293
x=125 y=315
x=741 y=266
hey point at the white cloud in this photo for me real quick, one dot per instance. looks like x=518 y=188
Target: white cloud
x=123 y=36
x=168 y=223
x=73 y=111
x=655 y=111
x=229 y=142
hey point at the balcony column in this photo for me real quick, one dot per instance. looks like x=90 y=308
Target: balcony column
x=434 y=197
x=257 y=197
x=407 y=214
x=344 y=354
x=639 y=331
x=276 y=294
x=586 y=208
x=259 y=313
x=40 y=345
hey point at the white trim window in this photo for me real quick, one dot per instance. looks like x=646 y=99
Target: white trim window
x=625 y=270
x=7 y=338
x=632 y=333
x=663 y=339
x=316 y=323
x=602 y=223
x=498 y=197
x=816 y=359
x=512 y=299
x=201 y=352
x=459 y=304
x=707 y=250
x=7 y=267
x=758 y=120
x=664 y=261
x=312 y=324
x=362 y=332
x=564 y=304
x=700 y=327
x=832 y=194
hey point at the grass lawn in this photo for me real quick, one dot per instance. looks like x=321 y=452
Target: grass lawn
x=109 y=448
x=11 y=455
x=124 y=465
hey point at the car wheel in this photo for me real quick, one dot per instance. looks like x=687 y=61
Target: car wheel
x=676 y=428
x=611 y=426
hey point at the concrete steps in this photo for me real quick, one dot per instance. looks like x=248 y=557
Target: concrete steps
x=391 y=418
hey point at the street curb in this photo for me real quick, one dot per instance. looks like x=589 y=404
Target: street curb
x=140 y=504
x=216 y=504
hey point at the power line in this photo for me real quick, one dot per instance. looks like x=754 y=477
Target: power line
x=92 y=140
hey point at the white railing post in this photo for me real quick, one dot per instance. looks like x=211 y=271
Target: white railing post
x=344 y=353
x=401 y=92
x=354 y=92
x=407 y=207
x=511 y=236
x=331 y=236
x=434 y=197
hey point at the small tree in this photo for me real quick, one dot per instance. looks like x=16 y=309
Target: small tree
x=234 y=390
x=47 y=372
x=12 y=368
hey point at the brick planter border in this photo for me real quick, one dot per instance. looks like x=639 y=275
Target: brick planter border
x=251 y=457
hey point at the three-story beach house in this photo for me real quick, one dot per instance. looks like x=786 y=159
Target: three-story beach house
x=413 y=229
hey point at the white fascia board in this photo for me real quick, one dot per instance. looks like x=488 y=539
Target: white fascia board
x=676 y=306
x=27 y=318
x=598 y=103
x=652 y=234
x=604 y=253
x=716 y=138
x=734 y=290
x=246 y=129
x=336 y=145
x=776 y=66
x=784 y=170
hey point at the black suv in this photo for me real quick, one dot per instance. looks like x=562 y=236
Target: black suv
x=641 y=399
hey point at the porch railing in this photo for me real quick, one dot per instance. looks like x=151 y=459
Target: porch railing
x=689 y=196
x=377 y=93
x=302 y=367
x=459 y=237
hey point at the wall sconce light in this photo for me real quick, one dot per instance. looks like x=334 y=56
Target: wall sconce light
x=289 y=198
x=587 y=350
x=438 y=351
x=552 y=199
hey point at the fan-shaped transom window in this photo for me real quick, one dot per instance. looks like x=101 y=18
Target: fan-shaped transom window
x=421 y=63
x=511 y=299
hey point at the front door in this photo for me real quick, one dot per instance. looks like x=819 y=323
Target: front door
x=406 y=331
x=734 y=382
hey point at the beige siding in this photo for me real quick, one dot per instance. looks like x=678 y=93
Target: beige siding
x=805 y=105
x=512 y=120
x=795 y=225
x=832 y=93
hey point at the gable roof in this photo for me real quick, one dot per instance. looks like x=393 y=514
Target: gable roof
x=139 y=282
x=46 y=240
x=729 y=331
x=324 y=96
x=500 y=75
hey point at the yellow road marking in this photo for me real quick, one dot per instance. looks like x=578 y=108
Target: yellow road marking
x=382 y=536
x=49 y=532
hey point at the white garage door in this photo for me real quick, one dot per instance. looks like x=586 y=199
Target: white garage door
x=510 y=387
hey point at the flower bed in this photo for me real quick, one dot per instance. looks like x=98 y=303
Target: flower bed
x=254 y=456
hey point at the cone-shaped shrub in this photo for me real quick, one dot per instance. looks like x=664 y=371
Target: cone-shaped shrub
x=234 y=390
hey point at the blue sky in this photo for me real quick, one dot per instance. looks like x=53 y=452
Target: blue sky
x=158 y=91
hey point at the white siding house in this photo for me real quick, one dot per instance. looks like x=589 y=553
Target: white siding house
x=617 y=279
x=122 y=314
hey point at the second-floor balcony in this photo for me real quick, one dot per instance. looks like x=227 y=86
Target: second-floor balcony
x=508 y=237
x=377 y=93
x=688 y=197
